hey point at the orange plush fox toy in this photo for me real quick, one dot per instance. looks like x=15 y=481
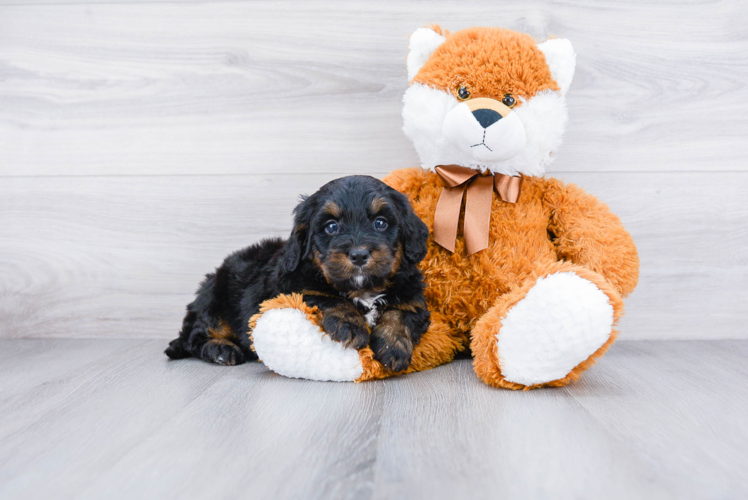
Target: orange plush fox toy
x=525 y=272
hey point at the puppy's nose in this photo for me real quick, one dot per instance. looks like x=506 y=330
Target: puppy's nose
x=486 y=117
x=359 y=256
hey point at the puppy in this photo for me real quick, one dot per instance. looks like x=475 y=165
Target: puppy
x=353 y=252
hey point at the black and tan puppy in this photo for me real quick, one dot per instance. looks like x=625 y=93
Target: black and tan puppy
x=353 y=252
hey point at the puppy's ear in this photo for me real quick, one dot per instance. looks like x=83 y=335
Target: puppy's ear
x=413 y=232
x=300 y=242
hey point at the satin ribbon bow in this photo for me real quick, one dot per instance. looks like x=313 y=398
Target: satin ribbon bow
x=480 y=189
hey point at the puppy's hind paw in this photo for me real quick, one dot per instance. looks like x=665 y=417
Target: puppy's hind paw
x=176 y=350
x=222 y=352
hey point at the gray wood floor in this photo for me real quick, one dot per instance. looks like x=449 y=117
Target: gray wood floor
x=108 y=418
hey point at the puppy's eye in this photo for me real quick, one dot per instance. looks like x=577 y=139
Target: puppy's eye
x=509 y=100
x=463 y=93
x=380 y=223
x=332 y=227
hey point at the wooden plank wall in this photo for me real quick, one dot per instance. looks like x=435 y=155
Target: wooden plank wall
x=141 y=142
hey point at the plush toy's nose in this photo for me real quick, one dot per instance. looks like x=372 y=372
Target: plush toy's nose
x=485 y=129
x=486 y=117
x=487 y=111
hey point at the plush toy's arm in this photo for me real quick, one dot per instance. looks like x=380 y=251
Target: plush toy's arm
x=587 y=233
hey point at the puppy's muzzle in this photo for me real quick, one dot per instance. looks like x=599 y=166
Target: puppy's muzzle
x=359 y=256
x=486 y=129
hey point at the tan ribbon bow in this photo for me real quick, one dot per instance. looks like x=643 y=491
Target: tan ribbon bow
x=480 y=189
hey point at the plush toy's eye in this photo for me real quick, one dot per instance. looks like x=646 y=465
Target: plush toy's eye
x=332 y=227
x=463 y=93
x=380 y=223
x=509 y=100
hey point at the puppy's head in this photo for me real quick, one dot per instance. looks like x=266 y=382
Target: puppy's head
x=358 y=232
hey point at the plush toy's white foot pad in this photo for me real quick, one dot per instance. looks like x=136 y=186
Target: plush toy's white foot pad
x=292 y=346
x=561 y=321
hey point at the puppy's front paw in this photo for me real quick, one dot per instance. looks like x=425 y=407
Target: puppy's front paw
x=346 y=326
x=222 y=352
x=391 y=343
x=394 y=355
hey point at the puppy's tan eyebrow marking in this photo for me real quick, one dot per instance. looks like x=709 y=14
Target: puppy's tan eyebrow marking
x=377 y=204
x=332 y=208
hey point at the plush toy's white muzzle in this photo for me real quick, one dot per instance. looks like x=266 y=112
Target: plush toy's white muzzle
x=485 y=129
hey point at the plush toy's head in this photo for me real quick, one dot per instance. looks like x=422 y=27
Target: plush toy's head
x=487 y=98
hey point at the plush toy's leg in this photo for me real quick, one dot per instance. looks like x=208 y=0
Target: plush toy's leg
x=547 y=331
x=288 y=339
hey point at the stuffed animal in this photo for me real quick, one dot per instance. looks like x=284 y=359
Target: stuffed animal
x=523 y=271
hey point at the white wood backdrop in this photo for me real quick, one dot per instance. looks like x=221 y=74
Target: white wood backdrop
x=141 y=142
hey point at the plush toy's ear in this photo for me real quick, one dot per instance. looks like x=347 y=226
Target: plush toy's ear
x=423 y=42
x=561 y=59
x=300 y=242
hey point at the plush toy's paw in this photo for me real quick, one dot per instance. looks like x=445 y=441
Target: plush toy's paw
x=347 y=327
x=561 y=321
x=222 y=352
x=291 y=344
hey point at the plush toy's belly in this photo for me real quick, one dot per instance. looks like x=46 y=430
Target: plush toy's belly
x=463 y=287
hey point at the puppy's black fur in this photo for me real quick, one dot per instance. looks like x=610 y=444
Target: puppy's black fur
x=356 y=243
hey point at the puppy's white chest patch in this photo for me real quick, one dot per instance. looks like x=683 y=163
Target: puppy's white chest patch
x=372 y=304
